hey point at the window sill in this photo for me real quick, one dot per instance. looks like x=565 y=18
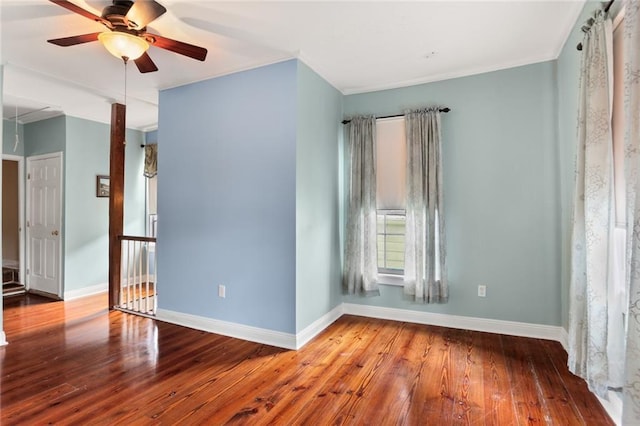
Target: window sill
x=388 y=279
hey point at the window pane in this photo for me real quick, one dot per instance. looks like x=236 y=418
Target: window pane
x=391 y=241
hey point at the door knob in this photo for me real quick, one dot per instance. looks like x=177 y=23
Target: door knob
x=54 y=232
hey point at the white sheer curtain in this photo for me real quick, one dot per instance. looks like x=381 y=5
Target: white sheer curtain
x=361 y=268
x=631 y=390
x=425 y=275
x=595 y=332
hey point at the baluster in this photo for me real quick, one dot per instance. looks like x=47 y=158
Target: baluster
x=146 y=301
x=129 y=273
x=155 y=279
x=123 y=260
x=138 y=288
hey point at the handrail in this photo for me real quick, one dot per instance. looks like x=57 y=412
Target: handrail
x=132 y=238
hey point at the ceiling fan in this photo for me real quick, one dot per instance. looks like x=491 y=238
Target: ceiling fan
x=126 y=36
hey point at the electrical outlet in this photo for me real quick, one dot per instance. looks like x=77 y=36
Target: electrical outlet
x=222 y=291
x=482 y=291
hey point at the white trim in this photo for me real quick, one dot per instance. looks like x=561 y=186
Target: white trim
x=21 y=233
x=239 y=331
x=3 y=339
x=286 y=57
x=564 y=339
x=297 y=341
x=613 y=406
x=86 y=291
x=449 y=75
x=538 y=331
x=389 y=279
x=318 y=326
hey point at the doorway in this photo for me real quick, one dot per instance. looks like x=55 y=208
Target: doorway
x=13 y=282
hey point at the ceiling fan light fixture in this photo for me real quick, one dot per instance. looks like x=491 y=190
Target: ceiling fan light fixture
x=123 y=45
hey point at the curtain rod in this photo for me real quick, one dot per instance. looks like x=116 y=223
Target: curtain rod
x=589 y=23
x=397 y=115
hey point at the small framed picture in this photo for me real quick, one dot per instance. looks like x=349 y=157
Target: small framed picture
x=102 y=186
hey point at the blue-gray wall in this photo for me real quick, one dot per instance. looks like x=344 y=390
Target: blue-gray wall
x=87 y=216
x=45 y=136
x=9 y=138
x=226 y=197
x=318 y=268
x=501 y=192
x=151 y=137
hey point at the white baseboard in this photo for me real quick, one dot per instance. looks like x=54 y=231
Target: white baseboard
x=253 y=334
x=512 y=328
x=3 y=338
x=86 y=291
x=564 y=339
x=613 y=406
x=98 y=288
x=318 y=326
x=297 y=341
x=239 y=331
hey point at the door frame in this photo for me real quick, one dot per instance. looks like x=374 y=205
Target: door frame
x=21 y=230
x=28 y=217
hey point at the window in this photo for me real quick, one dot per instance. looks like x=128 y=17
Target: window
x=390 y=194
x=152 y=206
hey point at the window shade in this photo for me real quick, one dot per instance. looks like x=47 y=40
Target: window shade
x=391 y=165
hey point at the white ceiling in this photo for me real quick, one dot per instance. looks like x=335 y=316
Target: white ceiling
x=356 y=46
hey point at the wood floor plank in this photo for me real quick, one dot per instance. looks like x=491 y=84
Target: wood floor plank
x=529 y=404
x=336 y=384
x=261 y=396
x=552 y=388
x=369 y=374
x=468 y=407
x=77 y=363
x=427 y=398
x=499 y=404
x=585 y=402
x=398 y=377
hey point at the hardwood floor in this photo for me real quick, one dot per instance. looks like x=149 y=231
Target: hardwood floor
x=77 y=363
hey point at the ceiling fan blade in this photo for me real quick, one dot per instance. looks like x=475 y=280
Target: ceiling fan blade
x=77 y=9
x=186 y=49
x=145 y=64
x=73 y=40
x=144 y=11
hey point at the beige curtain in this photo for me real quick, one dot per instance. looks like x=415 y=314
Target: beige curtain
x=591 y=320
x=360 y=265
x=150 y=160
x=631 y=390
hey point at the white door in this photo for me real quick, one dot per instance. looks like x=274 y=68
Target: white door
x=44 y=211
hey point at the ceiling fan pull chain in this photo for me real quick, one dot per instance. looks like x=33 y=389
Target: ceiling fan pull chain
x=126 y=61
x=15 y=146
